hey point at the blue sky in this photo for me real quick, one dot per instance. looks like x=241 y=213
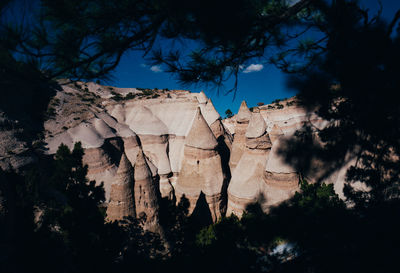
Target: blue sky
x=262 y=83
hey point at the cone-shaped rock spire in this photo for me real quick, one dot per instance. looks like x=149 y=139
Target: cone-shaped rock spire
x=257 y=126
x=244 y=113
x=131 y=148
x=200 y=135
x=146 y=200
x=275 y=133
x=121 y=197
x=256 y=135
x=239 y=140
x=142 y=169
x=201 y=169
x=280 y=178
x=210 y=114
x=201 y=97
x=247 y=180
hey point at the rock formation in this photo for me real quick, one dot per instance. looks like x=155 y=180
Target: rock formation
x=239 y=141
x=146 y=193
x=102 y=165
x=175 y=143
x=275 y=133
x=155 y=147
x=201 y=169
x=213 y=119
x=246 y=185
x=122 y=202
x=14 y=151
x=281 y=180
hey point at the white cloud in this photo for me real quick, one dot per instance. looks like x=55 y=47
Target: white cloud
x=156 y=68
x=253 y=68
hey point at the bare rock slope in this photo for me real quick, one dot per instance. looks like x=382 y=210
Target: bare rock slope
x=148 y=144
x=144 y=144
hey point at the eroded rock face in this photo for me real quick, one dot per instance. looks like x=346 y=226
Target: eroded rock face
x=122 y=202
x=244 y=114
x=281 y=180
x=201 y=170
x=246 y=185
x=275 y=133
x=239 y=141
x=146 y=193
x=177 y=144
x=14 y=151
x=103 y=162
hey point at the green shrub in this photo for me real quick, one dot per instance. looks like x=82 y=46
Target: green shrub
x=147 y=92
x=130 y=96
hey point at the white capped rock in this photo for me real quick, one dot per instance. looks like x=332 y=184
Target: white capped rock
x=275 y=133
x=200 y=135
x=121 y=198
x=257 y=126
x=146 y=193
x=201 y=97
x=143 y=122
x=209 y=113
x=276 y=161
x=244 y=113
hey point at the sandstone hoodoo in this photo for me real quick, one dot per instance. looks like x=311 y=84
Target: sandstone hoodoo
x=275 y=133
x=281 y=180
x=244 y=113
x=156 y=147
x=239 y=141
x=183 y=147
x=256 y=135
x=246 y=185
x=102 y=164
x=146 y=193
x=213 y=119
x=201 y=167
x=131 y=147
x=210 y=114
x=122 y=202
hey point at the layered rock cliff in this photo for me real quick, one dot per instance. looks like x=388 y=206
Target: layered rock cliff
x=148 y=144
x=174 y=141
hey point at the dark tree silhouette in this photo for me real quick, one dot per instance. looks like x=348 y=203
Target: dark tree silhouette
x=353 y=86
x=348 y=74
x=54 y=218
x=228 y=113
x=86 y=39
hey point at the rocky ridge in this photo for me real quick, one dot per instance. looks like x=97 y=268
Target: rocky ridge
x=147 y=144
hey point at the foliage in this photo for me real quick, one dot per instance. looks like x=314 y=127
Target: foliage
x=147 y=92
x=343 y=83
x=351 y=66
x=118 y=97
x=316 y=196
x=228 y=113
x=55 y=219
x=83 y=40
